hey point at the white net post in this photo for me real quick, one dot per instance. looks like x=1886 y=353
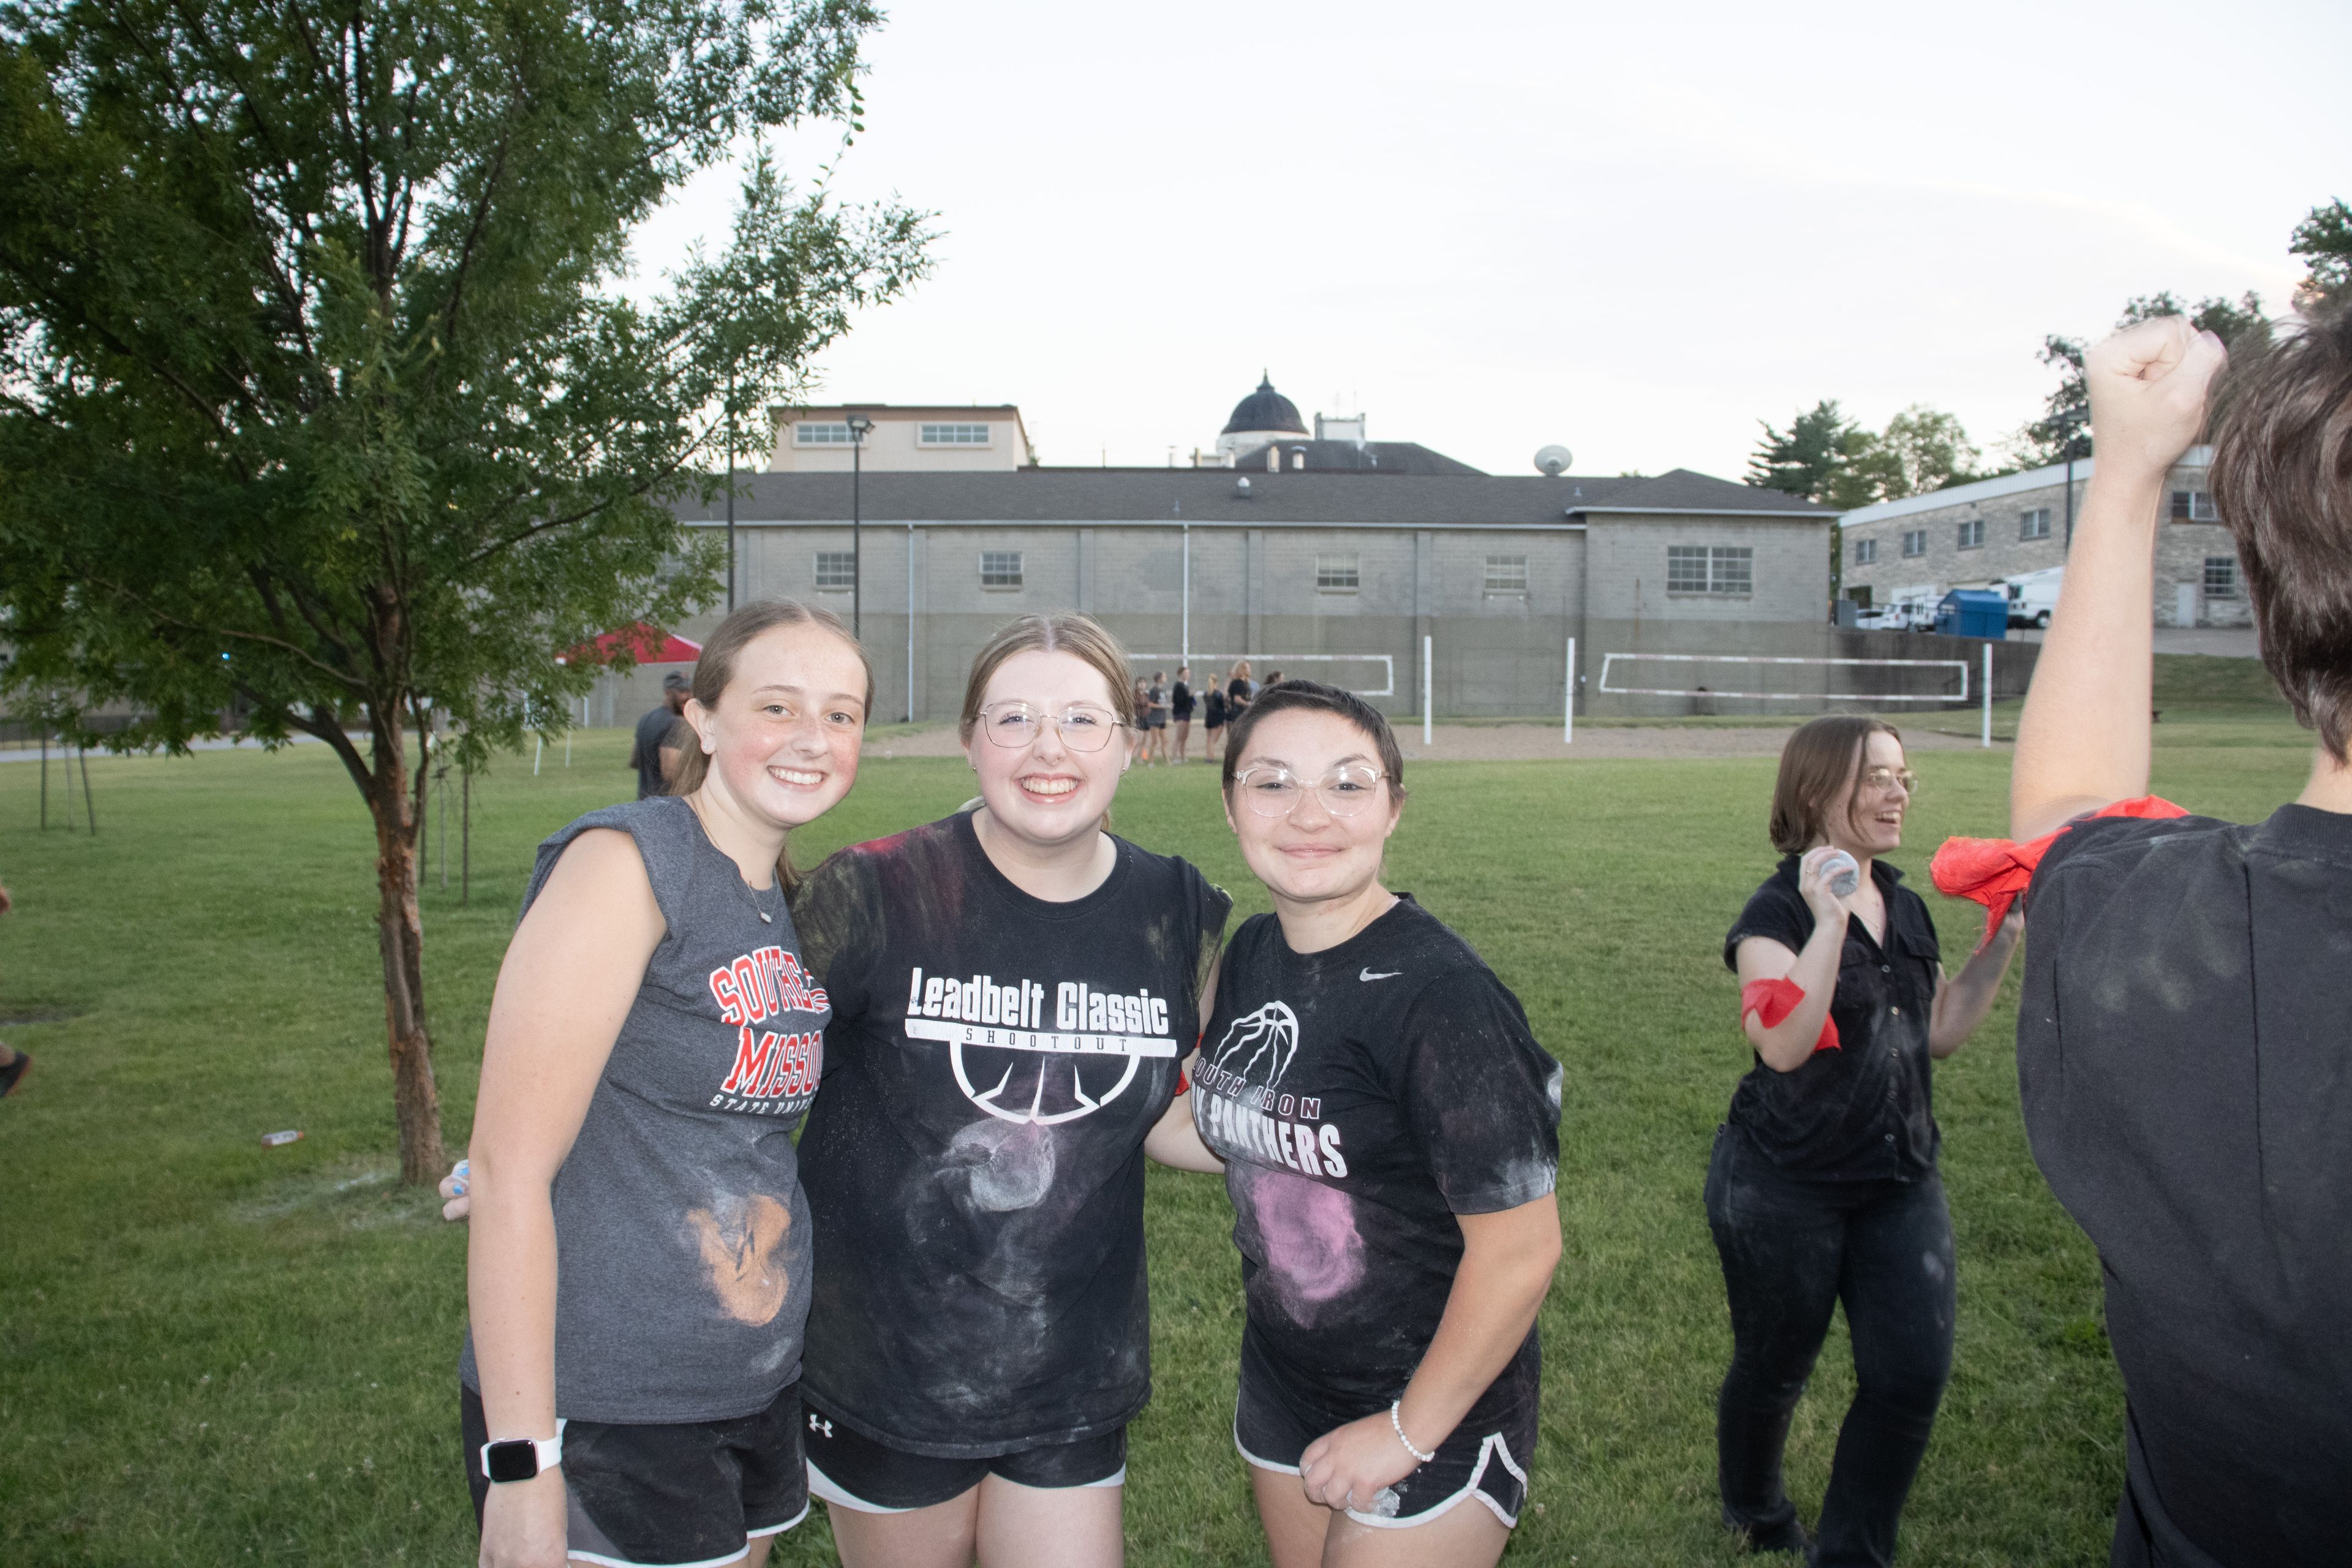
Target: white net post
x=1987 y=695
x=1428 y=714
x=1568 y=707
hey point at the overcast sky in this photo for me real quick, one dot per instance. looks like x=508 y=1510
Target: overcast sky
x=1633 y=230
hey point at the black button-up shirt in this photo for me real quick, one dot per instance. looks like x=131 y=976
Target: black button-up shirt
x=2184 y=1045
x=1865 y=1110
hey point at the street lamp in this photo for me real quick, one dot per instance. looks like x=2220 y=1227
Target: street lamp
x=2070 y=425
x=858 y=425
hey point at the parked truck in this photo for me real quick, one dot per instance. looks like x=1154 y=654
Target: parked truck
x=2032 y=595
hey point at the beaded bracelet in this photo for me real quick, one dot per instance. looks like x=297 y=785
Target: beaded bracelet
x=1397 y=1421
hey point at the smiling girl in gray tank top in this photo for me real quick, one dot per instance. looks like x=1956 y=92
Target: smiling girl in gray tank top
x=654 y=1039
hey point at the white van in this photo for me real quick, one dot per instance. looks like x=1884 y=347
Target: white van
x=2032 y=595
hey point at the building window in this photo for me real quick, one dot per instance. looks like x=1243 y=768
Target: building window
x=1507 y=574
x=837 y=570
x=952 y=435
x=2220 y=577
x=2034 y=524
x=1000 y=568
x=1972 y=534
x=2194 y=506
x=1865 y=551
x=1336 y=573
x=1710 y=569
x=812 y=434
x=1914 y=542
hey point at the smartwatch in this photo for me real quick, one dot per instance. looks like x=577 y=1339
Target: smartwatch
x=520 y=1458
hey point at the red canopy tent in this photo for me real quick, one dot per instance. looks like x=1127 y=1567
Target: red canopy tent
x=646 y=645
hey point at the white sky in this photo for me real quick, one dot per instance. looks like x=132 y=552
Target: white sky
x=1632 y=229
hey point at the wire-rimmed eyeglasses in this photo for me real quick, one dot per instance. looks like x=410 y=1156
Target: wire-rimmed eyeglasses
x=1083 y=726
x=1274 y=791
x=1881 y=780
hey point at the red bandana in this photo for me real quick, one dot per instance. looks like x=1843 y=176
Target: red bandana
x=1994 y=871
x=1773 y=1000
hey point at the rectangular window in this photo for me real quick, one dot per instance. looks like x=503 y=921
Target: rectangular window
x=2034 y=524
x=837 y=570
x=809 y=433
x=1914 y=542
x=1710 y=569
x=1865 y=551
x=1336 y=573
x=1972 y=534
x=953 y=436
x=2220 y=577
x=2194 y=506
x=1507 y=574
x=1000 y=568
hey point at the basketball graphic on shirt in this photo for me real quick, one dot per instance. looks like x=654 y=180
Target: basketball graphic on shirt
x=1258 y=1049
x=1022 y=1085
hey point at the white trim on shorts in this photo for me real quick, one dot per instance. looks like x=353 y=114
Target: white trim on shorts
x=824 y=1486
x=1490 y=1448
x=749 y=1536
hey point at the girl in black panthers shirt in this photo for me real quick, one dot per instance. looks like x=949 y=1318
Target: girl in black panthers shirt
x=1013 y=991
x=1390 y=1132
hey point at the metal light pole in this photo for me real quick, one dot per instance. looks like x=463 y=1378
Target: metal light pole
x=2072 y=425
x=858 y=425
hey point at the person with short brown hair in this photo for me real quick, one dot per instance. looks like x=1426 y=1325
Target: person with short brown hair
x=2181 y=1045
x=1823 y=1188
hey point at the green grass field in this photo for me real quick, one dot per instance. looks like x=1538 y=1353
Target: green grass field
x=216 y=1352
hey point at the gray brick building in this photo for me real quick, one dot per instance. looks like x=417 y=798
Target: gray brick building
x=1977 y=535
x=1338 y=574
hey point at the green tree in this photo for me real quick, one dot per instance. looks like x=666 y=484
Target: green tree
x=1805 y=459
x=2324 y=240
x=319 y=393
x=1921 y=449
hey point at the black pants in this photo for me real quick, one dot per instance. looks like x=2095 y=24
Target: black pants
x=1791 y=1249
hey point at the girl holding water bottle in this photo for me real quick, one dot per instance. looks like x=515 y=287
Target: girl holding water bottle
x=1823 y=1188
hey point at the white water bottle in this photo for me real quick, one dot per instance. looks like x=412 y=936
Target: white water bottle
x=1840 y=874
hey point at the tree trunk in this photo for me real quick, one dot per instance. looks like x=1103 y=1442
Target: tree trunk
x=400 y=931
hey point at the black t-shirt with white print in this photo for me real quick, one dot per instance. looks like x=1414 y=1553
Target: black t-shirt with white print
x=974 y=1163
x=1362 y=1098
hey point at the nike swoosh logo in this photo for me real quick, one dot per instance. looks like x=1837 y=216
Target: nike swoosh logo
x=1392 y=974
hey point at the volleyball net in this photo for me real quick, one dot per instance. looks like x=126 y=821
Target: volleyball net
x=1767 y=678
x=1365 y=674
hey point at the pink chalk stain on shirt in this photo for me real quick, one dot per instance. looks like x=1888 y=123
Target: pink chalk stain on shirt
x=1313 y=1249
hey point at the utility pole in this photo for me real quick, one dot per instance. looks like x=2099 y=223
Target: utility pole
x=731 y=492
x=858 y=425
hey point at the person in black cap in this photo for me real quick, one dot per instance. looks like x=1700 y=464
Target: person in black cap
x=655 y=755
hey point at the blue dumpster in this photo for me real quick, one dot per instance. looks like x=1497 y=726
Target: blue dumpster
x=1973 y=613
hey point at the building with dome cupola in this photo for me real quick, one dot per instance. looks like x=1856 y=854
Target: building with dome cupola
x=1263 y=416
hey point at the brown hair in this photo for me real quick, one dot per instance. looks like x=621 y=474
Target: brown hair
x=1065 y=631
x=1314 y=697
x=2281 y=479
x=716 y=668
x=1816 y=776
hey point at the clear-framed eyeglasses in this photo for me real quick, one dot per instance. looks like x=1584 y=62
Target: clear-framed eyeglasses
x=1879 y=781
x=1083 y=726
x=1274 y=791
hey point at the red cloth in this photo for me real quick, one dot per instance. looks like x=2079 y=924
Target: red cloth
x=1773 y=1000
x=1995 y=871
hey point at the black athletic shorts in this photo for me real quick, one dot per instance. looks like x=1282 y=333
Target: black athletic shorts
x=849 y=1469
x=690 y=1495
x=1276 y=1417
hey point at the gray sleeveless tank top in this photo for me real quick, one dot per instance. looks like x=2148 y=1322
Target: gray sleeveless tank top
x=682 y=1238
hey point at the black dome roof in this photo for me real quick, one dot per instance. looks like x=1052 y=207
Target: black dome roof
x=1265 y=409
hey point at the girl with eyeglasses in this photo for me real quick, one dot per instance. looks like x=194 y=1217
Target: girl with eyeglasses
x=1390 y=1129
x=1822 y=1188
x=1013 y=992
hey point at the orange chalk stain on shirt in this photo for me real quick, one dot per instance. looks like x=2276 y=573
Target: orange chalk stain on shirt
x=742 y=1257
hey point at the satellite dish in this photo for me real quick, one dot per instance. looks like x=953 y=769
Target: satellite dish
x=1554 y=460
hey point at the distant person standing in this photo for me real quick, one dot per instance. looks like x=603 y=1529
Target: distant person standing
x=655 y=755
x=1212 y=720
x=1155 y=717
x=1179 y=708
x=1273 y=677
x=13 y=1062
x=1239 y=689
